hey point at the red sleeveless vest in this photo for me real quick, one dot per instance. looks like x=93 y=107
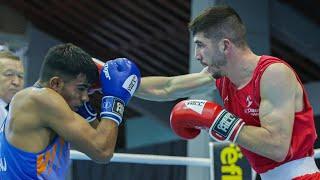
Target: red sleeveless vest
x=245 y=103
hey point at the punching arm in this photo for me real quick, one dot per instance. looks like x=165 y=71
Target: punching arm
x=158 y=88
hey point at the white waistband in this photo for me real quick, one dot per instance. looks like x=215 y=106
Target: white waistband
x=291 y=169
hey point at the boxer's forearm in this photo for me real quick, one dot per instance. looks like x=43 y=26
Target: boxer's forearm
x=263 y=142
x=106 y=139
x=157 y=88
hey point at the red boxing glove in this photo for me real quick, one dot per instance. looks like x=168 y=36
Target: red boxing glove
x=96 y=87
x=189 y=116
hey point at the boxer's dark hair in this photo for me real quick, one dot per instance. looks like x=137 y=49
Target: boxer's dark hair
x=220 y=22
x=68 y=61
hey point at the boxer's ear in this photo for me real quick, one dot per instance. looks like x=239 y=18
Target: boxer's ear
x=224 y=45
x=56 y=83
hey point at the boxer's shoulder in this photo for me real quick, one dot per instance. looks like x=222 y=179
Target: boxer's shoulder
x=38 y=99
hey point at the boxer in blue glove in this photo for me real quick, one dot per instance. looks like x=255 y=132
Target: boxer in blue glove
x=118 y=73
x=43 y=120
x=113 y=97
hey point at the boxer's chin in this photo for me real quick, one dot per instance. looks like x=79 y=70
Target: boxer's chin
x=215 y=73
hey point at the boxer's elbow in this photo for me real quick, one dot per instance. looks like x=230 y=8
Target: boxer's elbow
x=279 y=156
x=103 y=157
x=280 y=151
x=102 y=153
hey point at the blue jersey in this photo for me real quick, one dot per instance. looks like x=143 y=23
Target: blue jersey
x=51 y=163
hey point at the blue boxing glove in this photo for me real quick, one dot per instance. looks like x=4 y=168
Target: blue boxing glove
x=87 y=112
x=119 y=79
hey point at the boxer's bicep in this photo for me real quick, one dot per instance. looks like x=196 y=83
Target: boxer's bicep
x=277 y=107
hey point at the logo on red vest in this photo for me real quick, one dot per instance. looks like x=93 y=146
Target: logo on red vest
x=249 y=101
x=249 y=110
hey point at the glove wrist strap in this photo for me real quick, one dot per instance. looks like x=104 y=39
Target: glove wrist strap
x=226 y=127
x=112 y=108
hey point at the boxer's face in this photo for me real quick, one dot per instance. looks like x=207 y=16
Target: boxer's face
x=209 y=54
x=75 y=91
x=11 y=78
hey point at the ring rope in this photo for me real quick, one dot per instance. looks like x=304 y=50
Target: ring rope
x=149 y=159
x=157 y=159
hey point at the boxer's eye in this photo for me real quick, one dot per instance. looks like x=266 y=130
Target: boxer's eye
x=82 y=88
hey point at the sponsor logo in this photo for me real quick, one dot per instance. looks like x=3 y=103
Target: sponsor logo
x=196 y=105
x=252 y=111
x=118 y=107
x=248 y=110
x=3 y=164
x=131 y=84
x=106 y=71
x=224 y=124
x=107 y=104
x=249 y=101
x=229 y=157
x=226 y=99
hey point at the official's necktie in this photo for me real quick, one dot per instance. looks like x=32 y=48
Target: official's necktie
x=7 y=107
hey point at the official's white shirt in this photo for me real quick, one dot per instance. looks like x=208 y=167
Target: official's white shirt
x=3 y=111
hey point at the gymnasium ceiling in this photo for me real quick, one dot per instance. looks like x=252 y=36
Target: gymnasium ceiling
x=152 y=33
